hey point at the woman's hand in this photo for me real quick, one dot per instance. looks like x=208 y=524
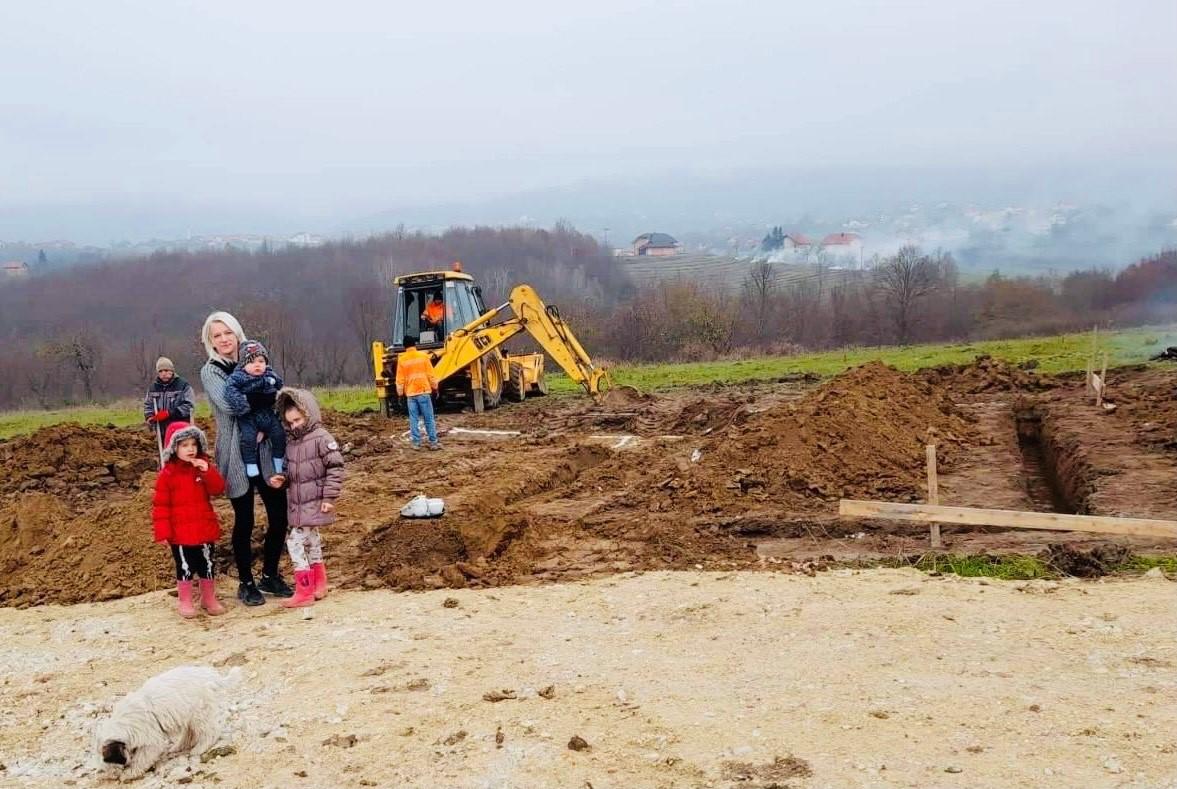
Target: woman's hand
x=277 y=481
x=200 y=463
x=326 y=507
x=261 y=437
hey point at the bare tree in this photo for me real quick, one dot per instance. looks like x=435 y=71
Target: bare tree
x=81 y=352
x=368 y=314
x=905 y=280
x=759 y=287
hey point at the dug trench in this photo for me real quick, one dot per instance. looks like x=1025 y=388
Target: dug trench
x=717 y=477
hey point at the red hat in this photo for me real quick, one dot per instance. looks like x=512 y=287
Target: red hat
x=179 y=431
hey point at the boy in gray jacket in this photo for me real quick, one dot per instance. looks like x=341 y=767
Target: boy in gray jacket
x=314 y=480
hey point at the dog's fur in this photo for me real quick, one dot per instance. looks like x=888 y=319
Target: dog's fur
x=176 y=711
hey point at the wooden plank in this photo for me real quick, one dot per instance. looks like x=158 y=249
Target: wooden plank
x=933 y=494
x=1012 y=519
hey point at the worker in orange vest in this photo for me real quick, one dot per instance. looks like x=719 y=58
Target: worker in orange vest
x=434 y=312
x=416 y=382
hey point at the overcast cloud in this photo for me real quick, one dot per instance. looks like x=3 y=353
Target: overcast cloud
x=261 y=115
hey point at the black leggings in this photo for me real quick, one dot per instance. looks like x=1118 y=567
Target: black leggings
x=275 y=504
x=193 y=560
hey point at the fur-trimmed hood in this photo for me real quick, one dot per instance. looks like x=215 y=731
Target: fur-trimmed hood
x=177 y=432
x=304 y=401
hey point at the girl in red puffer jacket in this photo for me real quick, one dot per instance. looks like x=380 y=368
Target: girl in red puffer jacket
x=182 y=514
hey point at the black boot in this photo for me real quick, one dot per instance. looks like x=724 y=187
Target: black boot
x=274 y=585
x=247 y=592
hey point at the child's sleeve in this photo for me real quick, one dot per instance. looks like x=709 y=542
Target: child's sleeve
x=186 y=408
x=161 y=508
x=214 y=483
x=277 y=379
x=333 y=464
x=235 y=398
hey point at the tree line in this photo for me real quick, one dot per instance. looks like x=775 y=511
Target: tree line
x=909 y=297
x=92 y=333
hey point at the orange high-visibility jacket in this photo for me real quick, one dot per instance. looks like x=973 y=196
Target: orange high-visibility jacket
x=414 y=374
x=434 y=312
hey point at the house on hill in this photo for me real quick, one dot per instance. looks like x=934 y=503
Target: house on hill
x=797 y=241
x=14 y=269
x=655 y=245
x=842 y=246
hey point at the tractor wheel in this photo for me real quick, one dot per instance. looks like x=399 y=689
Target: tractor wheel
x=515 y=387
x=492 y=380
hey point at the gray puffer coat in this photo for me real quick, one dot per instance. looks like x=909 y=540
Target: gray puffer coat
x=314 y=464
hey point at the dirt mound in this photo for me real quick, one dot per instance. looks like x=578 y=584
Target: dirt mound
x=987 y=374
x=1086 y=561
x=55 y=552
x=73 y=460
x=861 y=435
x=624 y=397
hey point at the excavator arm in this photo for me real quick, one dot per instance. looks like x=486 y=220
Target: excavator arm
x=530 y=314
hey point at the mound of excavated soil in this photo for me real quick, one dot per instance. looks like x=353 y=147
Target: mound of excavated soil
x=861 y=435
x=72 y=460
x=52 y=552
x=986 y=374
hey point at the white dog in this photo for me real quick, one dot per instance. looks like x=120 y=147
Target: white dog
x=176 y=711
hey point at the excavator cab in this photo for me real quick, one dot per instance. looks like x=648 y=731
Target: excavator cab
x=420 y=314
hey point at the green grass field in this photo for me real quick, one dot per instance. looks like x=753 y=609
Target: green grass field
x=1061 y=353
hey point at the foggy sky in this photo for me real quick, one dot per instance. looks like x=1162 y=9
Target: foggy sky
x=127 y=119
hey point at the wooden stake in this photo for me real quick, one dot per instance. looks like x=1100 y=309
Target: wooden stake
x=1091 y=355
x=1103 y=380
x=933 y=493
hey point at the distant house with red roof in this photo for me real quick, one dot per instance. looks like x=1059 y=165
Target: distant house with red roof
x=841 y=246
x=14 y=269
x=797 y=240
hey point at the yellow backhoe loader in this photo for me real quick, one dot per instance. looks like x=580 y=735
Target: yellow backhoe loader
x=465 y=343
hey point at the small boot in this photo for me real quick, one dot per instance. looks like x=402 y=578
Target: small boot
x=304 y=590
x=184 y=592
x=208 y=597
x=319 y=576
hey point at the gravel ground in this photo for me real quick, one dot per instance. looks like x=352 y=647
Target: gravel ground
x=880 y=678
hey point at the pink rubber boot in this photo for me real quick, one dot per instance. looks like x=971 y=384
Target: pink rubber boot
x=304 y=591
x=208 y=597
x=184 y=592
x=319 y=577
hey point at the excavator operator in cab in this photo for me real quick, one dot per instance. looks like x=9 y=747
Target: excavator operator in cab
x=434 y=313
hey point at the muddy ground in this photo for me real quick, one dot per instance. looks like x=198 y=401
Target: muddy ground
x=716 y=477
x=784 y=676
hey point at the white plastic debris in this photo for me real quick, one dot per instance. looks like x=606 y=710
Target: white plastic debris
x=423 y=507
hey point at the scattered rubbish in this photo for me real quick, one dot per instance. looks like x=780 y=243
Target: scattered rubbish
x=423 y=507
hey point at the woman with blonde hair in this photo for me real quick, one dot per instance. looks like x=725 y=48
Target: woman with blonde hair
x=222 y=335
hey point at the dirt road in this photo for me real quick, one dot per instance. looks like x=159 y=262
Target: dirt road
x=881 y=678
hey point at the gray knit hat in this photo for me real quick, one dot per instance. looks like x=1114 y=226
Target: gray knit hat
x=164 y=363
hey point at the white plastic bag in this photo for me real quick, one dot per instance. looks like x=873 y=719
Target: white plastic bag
x=417 y=508
x=423 y=507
